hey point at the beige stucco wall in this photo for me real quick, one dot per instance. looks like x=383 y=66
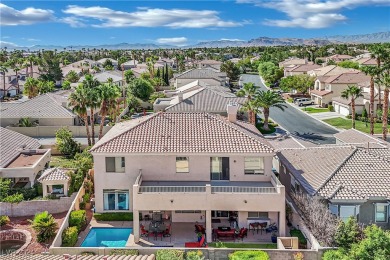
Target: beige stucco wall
x=50 y=131
x=69 y=121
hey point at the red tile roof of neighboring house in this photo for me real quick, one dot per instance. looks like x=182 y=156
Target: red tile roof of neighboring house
x=320 y=92
x=348 y=78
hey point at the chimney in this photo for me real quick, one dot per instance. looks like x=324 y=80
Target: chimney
x=232 y=109
x=180 y=96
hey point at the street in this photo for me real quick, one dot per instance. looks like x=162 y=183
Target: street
x=297 y=123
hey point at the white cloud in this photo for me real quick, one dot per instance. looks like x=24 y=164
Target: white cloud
x=311 y=14
x=175 y=41
x=151 y=17
x=233 y=40
x=30 y=15
x=73 y=21
x=4 y=44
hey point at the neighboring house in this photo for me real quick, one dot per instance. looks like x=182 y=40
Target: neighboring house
x=103 y=77
x=200 y=164
x=354 y=181
x=338 y=58
x=235 y=60
x=293 y=62
x=45 y=109
x=196 y=84
x=102 y=61
x=15 y=85
x=328 y=87
x=360 y=139
x=344 y=107
x=299 y=69
x=365 y=60
x=163 y=61
x=21 y=160
x=206 y=99
x=208 y=76
x=330 y=70
x=144 y=66
x=214 y=64
x=129 y=64
x=55 y=181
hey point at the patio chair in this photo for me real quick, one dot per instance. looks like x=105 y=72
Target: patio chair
x=144 y=232
x=271 y=228
x=243 y=233
x=200 y=229
x=167 y=233
x=201 y=243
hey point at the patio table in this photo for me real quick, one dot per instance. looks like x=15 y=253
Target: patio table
x=157 y=227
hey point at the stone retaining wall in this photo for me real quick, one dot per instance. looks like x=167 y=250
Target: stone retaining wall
x=30 y=208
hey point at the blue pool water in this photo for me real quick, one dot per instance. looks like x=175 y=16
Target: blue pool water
x=107 y=237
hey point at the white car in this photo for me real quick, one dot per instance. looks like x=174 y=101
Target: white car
x=304 y=102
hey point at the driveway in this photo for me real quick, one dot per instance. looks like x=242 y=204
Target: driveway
x=296 y=122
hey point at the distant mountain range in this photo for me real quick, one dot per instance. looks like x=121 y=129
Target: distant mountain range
x=261 y=41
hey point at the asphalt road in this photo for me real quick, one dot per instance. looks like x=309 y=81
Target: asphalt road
x=297 y=123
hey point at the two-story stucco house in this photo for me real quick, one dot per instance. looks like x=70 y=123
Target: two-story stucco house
x=194 y=167
x=208 y=76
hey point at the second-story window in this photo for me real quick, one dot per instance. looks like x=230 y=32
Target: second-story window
x=182 y=165
x=115 y=164
x=254 y=165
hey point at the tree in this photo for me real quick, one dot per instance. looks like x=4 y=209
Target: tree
x=3 y=70
x=150 y=61
x=155 y=96
x=385 y=115
x=352 y=92
x=31 y=87
x=266 y=100
x=141 y=88
x=301 y=83
x=44 y=225
x=248 y=91
x=270 y=72
x=25 y=122
x=50 y=67
x=108 y=95
x=133 y=102
x=108 y=63
x=72 y=76
x=347 y=233
x=93 y=102
x=65 y=85
x=129 y=76
x=348 y=64
x=232 y=71
x=45 y=86
x=65 y=142
x=380 y=53
x=78 y=100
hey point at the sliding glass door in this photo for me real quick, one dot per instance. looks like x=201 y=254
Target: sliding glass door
x=219 y=168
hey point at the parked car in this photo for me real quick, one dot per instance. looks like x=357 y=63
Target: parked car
x=304 y=102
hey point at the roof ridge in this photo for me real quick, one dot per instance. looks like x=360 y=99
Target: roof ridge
x=335 y=171
x=61 y=106
x=135 y=126
x=197 y=91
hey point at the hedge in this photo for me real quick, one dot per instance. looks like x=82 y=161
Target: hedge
x=194 y=255
x=77 y=219
x=169 y=254
x=4 y=220
x=69 y=236
x=249 y=255
x=297 y=233
x=114 y=216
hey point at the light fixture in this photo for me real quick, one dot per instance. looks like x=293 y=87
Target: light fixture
x=245 y=201
x=171 y=201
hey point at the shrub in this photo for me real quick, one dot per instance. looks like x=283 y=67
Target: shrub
x=115 y=216
x=69 y=236
x=4 y=220
x=301 y=238
x=169 y=254
x=249 y=255
x=65 y=142
x=82 y=205
x=44 y=225
x=334 y=255
x=14 y=198
x=331 y=108
x=194 y=255
x=88 y=253
x=77 y=218
x=124 y=252
x=86 y=198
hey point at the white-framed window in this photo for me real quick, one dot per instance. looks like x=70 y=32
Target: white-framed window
x=381 y=212
x=254 y=165
x=115 y=164
x=116 y=199
x=255 y=214
x=348 y=211
x=334 y=209
x=182 y=165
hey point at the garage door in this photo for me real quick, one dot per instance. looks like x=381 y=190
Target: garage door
x=344 y=111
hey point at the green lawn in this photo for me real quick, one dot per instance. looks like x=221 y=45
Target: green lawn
x=270 y=131
x=345 y=123
x=312 y=110
x=62 y=161
x=244 y=245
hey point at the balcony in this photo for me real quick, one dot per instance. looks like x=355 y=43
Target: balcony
x=213 y=195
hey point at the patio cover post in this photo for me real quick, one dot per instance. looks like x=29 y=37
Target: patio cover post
x=282 y=223
x=136 y=225
x=208 y=227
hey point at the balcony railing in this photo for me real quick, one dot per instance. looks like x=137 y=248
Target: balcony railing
x=164 y=189
x=235 y=189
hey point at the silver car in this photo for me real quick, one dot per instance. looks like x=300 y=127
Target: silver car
x=304 y=102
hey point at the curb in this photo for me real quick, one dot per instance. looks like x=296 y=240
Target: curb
x=335 y=128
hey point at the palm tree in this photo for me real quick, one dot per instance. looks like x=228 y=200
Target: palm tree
x=31 y=87
x=372 y=72
x=248 y=91
x=108 y=95
x=352 y=92
x=32 y=60
x=385 y=115
x=78 y=100
x=379 y=53
x=266 y=100
x=93 y=101
x=3 y=70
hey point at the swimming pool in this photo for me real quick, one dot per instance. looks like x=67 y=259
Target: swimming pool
x=107 y=237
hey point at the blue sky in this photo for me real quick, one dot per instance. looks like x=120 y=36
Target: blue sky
x=26 y=23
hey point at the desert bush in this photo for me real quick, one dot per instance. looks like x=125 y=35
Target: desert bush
x=169 y=254
x=77 y=219
x=44 y=225
x=194 y=255
x=4 y=220
x=69 y=236
x=249 y=255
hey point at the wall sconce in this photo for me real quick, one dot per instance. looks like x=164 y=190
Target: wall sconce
x=171 y=201
x=234 y=161
x=245 y=201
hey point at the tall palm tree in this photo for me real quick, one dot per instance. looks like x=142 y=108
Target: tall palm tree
x=91 y=84
x=352 y=92
x=32 y=60
x=78 y=100
x=108 y=95
x=385 y=115
x=31 y=87
x=372 y=72
x=248 y=91
x=266 y=100
x=3 y=71
x=379 y=53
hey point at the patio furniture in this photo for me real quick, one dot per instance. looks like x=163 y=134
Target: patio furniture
x=201 y=243
x=225 y=232
x=157 y=229
x=167 y=232
x=243 y=233
x=200 y=229
x=233 y=221
x=157 y=217
x=144 y=232
x=263 y=226
x=271 y=228
x=254 y=226
x=147 y=217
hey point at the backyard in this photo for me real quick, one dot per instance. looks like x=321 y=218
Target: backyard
x=345 y=123
x=62 y=162
x=242 y=245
